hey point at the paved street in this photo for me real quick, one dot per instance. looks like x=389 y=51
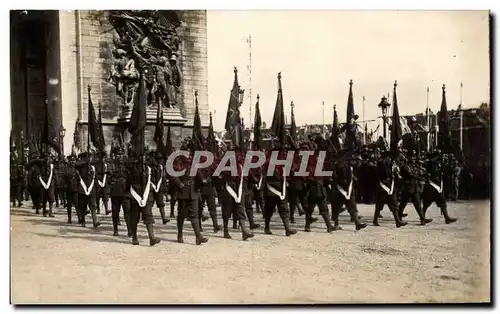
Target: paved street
x=53 y=262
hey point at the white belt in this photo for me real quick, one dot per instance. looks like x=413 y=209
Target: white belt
x=46 y=185
x=237 y=198
x=84 y=186
x=386 y=189
x=347 y=194
x=276 y=192
x=103 y=182
x=438 y=188
x=142 y=201
x=156 y=187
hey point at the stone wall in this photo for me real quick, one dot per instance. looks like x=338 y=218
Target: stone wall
x=86 y=59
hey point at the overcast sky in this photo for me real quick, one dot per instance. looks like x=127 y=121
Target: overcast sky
x=318 y=52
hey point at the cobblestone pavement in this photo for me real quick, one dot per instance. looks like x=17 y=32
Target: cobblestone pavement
x=53 y=262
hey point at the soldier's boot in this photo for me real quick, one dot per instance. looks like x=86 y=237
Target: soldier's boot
x=180 y=228
x=253 y=225
x=307 y=227
x=164 y=218
x=292 y=218
x=204 y=217
x=300 y=210
x=37 y=210
x=235 y=223
x=357 y=222
x=199 y=224
x=286 y=223
x=50 y=210
x=376 y=216
x=115 y=228
x=127 y=222
x=95 y=220
x=44 y=210
x=328 y=222
x=225 y=223
x=397 y=219
x=68 y=210
x=245 y=232
x=447 y=218
x=197 y=231
x=82 y=223
x=152 y=239
x=98 y=207
x=172 y=205
x=106 y=209
x=359 y=217
x=267 y=225
x=214 y=222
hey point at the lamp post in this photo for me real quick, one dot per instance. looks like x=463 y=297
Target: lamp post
x=384 y=106
x=62 y=133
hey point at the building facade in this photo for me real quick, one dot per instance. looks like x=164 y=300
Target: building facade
x=57 y=55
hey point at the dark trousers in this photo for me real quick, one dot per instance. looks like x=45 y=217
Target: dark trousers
x=159 y=199
x=137 y=211
x=188 y=208
x=173 y=201
x=118 y=202
x=270 y=203
x=321 y=202
x=48 y=195
x=60 y=196
x=212 y=207
x=83 y=202
x=102 y=194
x=338 y=200
x=430 y=195
x=414 y=197
x=16 y=194
x=72 y=201
x=36 y=197
x=258 y=196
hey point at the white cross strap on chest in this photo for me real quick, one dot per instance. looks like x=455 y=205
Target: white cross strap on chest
x=281 y=195
x=103 y=182
x=46 y=185
x=386 y=188
x=347 y=194
x=91 y=186
x=439 y=189
x=259 y=185
x=142 y=201
x=237 y=198
x=156 y=187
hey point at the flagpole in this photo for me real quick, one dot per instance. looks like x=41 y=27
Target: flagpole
x=428 y=123
x=364 y=118
x=323 y=104
x=88 y=121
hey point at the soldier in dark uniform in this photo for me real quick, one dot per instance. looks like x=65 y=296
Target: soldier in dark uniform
x=433 y=189
x=86 y=173
x=233 y=199
x=296 y=188
x=252 y=180
x=387 y=190
x=34 y=184
x=343 y=192
x=141 y=202
x=71 y=184
x=188 y=197
x=17 y=178
x=59 y=171
x=316 y=196
x=173 y=191
x=158 y=183
x=47 y=184
x=120 y=197
x=412 y=175
x=275 y=194
x=207 y=194
x=103 y=172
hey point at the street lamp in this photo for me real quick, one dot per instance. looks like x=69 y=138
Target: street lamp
x=384 y=105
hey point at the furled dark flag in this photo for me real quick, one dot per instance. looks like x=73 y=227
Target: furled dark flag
x=93 y=124
x=396 y=130
x=49 y=134
x=137 y=123
x=169 y=147
x=334 y=138
x=257 y=136
x=293 y=126
x=350 y=126
x=445 y=143
x=212 y=142
x=158 y=136
x=197 y=129
x=101 y=131
x=77 y=143
x=278 y=124
x=233 y=119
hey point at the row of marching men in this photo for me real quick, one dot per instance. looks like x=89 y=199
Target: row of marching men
x=135 y=183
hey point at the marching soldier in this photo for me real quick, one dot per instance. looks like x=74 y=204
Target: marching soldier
x=158 y=183
x=188 y=197
x=102 y=168
x=254 y=179
x=412 y=174
x=207 y=194
x=86 y=173
x=44 y=174
x=433 y=189
x=343 y=193
x=59 y=172
x=386 y=190
x=120 y=198
x=71 y=189
x=17 y=178
x=141 y=204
